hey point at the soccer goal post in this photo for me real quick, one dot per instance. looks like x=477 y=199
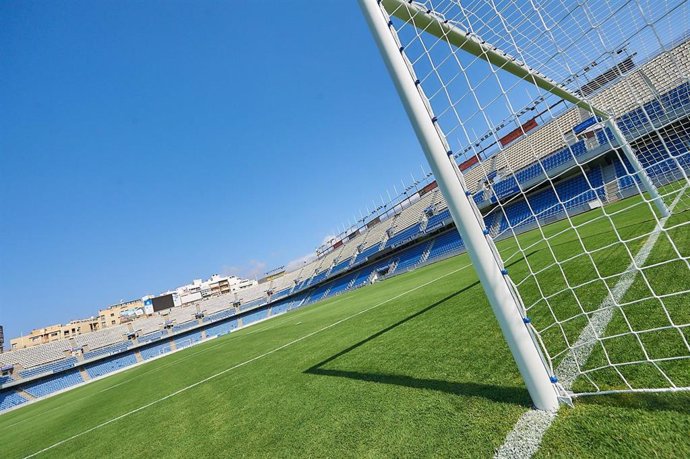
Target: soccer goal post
x=559 y=135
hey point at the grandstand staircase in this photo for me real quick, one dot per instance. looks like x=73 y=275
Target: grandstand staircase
x=385 y=238
x=73 y=344
x=325 y=294
x=495 y=225
x=25 y=394
x=351 y=283
x=425 y=254
x=84 y=374
x=611 y=188
x=422 y=223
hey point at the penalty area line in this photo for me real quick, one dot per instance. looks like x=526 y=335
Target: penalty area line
x=236 y=366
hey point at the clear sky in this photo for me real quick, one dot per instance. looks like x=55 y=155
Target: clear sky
x=144 y=144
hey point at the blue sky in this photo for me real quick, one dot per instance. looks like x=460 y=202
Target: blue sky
x=144 y=144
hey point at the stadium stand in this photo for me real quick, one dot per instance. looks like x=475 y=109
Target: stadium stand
x=217 y=303
x=37 y=355
x=220 y=315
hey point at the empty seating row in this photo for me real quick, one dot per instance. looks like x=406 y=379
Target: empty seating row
x=10 y=399
x=52 y=367
x=254 y=316
x=252 y=303
x=445 y=245
x=155 y=336
x=155 y=350
x=340 y=266
x=410 y=257
x=102 y=338
x=105 y=366
x=187 y=339
x=436 y=220
x=220 y=315
x=36 y=355
x=219 y=329
x=184 y=326
x=53 y=383
x=565 y=195
x=403 y=236
x=107 y=350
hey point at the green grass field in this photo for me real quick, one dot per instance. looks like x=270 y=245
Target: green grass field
x=414 y=366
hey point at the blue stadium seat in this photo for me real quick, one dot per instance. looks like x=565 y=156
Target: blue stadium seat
x=677 y=99
x=53 y=383
x=110 y=364
x=107 y=350
x=318 y=278
x=445 y=245
x=341 y=284
x=408 y=258
x=220 y=315
x=184 y=326
x=254 y=316
x=155 y=350
x=403 y=236
x=340 y=266
x=187 y=339
x=9 y=399
x=252 y=303
x=221 y=329
x=149 y=337
x=435 y=221
x=52 y=367
x=366 y=253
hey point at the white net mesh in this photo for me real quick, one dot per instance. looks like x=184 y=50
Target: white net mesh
x=560 y=114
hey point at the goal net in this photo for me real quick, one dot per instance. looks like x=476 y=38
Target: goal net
x=567 y=124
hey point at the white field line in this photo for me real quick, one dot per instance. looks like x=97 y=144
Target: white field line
x=569 y=368
x=234 y=334
x=525 y=438
x=122 y=370
x=220 y=373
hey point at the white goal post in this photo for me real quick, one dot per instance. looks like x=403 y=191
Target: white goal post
x=559 y=136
